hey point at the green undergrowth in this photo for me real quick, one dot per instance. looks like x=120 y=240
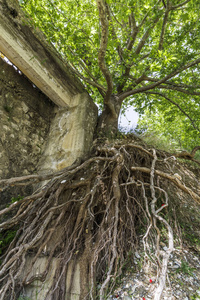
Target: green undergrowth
x=6 y=238
x=172 y=146
x=7 y=235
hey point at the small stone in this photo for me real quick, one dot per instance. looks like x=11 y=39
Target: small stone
x=175 y=267
x=186 y=279
x=137 y=254
x=191 y=279
x=178 y=293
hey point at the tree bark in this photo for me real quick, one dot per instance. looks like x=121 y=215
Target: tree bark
x=108 y=120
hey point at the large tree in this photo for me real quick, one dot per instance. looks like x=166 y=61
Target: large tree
x=142 y=53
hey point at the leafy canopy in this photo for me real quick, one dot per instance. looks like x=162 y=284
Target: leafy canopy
x=145 y=52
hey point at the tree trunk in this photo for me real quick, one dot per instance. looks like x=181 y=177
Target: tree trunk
x=108 y=121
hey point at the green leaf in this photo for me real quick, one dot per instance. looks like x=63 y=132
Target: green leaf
x=134 y=33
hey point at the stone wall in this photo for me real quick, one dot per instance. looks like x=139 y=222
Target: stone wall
x=36 y=135
x=25 y=118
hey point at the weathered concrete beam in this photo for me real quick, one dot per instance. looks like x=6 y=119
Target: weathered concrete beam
x=70 y=136
x=26 y=48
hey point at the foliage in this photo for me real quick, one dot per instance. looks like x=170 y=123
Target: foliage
x=168 y=130
x=7 y=108
x=142 y=53
x=163 y=125
x=15 y=199
x=185 y=268
x=6 y=238
x=196 y=296
x=189 y=220
x=18 y=198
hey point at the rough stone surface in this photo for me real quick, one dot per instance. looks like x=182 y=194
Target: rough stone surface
x=25 y=120
x=183 y=282
x=25 y=117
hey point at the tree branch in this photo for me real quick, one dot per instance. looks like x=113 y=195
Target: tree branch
x=145 y=36
x=172 y=178
x=177 y=105
x=128 y=92
x=179 y=89
x=187 y=155
x=100 y=88
x=134 y=32
x=134 y=29
x=164 y=3
x=181 y=85
x=179 y=5
x=194 y=150
x=119 y=48
x=102 y=52
x=160 y=47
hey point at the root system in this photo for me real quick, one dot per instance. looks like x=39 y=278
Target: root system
x=92 y=214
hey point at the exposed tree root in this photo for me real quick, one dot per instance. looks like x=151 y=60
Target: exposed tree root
x=189 y=156
x=91 y=214
x=175 y=178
